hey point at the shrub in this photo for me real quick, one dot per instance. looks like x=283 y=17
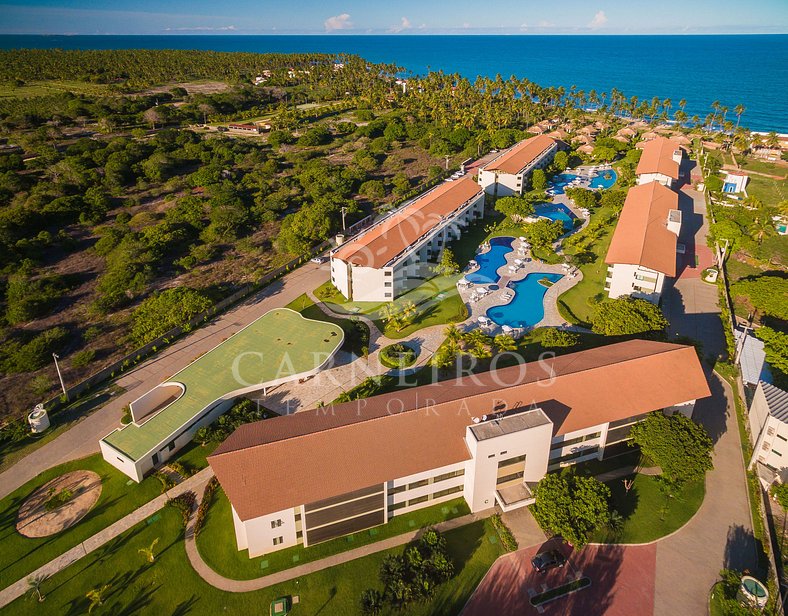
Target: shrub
x=126 y=417
x=508 y=541
x=167 y=482
x=16 y=357
x=397 y=356
x=374 y=189
x=185 y=504
x=165 y=311
x=627 y=315
x=83 y=358
x=559 y=338
x=205 y=504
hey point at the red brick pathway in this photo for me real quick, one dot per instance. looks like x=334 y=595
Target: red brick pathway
x=622 y=583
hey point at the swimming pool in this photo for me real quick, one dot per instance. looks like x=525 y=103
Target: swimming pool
x=527 y=307
x=561 y=181
x=556 y=211
x=600 y=181
x=490 y=261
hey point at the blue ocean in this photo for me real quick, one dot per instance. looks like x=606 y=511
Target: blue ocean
x=751 y=70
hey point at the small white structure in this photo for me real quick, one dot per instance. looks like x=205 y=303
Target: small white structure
x=38 y=419
x=643 y=250
x=507 y=174
x=768 y=418
x=735 y=182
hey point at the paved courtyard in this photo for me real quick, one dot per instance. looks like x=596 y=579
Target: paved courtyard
x=622 y=583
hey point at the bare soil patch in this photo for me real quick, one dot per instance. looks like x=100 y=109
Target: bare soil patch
x=34 y=520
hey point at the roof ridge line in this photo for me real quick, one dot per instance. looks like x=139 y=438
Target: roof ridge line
x=673 y=347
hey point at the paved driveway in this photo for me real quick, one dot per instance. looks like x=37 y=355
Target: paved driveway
x=622 y=583
x=720 y=535
x=82 y=440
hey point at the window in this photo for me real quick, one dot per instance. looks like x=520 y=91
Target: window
x=388 y=273
x=398 y=489
x=447 y=491
x=387 y=295
x=446 y=476
x=387 y=284
x=298 y=517
x=418 y=484
x=777 y=453
x=577 y=454
x=577 y=439
x=510 y=461
x=396 y=506
x=276 y=523
x=300 y=534
x=279 y=540
x=781 y=437
x=511 y=477
x=416 y=501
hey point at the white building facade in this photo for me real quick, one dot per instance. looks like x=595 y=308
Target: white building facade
x=490 y=460
x=768 y=419
x=508 y=174
x=399 y=251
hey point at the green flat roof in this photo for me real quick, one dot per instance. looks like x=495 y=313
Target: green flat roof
x=280 y=344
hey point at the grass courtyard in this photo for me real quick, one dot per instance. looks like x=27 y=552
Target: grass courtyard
x=20 y=555
x=218 y=548
x=169 y=585
x=648 y=512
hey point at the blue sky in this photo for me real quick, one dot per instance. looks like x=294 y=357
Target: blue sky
x=402 y=17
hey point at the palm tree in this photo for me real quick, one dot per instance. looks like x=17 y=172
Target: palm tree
x=34 y=585
x=452 y=333
x=148 y=552
x=739 y=110
x=761 y=226
x=96 y=597
x=504 y=343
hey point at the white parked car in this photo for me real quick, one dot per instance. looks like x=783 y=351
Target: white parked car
x=319 y=259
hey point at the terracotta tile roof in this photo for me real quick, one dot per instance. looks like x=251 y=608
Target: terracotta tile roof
x=657 y=157
x=520 y=155
x=287 y=461
x=641 y=236
x=382 y=242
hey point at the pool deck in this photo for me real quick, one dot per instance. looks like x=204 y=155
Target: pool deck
x=552 y=318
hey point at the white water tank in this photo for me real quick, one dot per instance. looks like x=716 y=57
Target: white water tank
x=340 y=239
x=38 y=419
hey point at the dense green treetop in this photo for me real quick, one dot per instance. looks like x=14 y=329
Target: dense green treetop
x=627 y=315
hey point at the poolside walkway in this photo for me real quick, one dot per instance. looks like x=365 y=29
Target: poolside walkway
x=552 y=318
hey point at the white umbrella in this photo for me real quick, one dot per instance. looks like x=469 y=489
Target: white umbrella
x=506 y=329
x=522 y=239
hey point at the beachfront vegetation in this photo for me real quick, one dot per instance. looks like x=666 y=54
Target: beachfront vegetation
x=242 y=412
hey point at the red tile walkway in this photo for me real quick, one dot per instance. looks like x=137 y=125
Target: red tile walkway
x=622 y=583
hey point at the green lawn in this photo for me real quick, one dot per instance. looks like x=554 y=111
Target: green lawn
x=579 y=298
x=437 y=300
x=648 y=513
x=170 y=585
x=21 y=555
x=354 y=338
x=768 y=190
x=218 y=548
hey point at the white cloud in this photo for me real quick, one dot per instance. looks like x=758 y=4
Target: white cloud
x=599 y=20
x=338 y=22
x=404 y=25
x=545 y=24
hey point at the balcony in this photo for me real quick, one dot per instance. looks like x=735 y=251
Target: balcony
x=516 y=496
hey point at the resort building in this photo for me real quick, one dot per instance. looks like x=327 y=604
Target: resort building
x=244 y=128
x=487 y=438
x=398 y=251
x=507 y=174
x=642 y=251
x=768 y=418
x=660 y=161
x=279 y=347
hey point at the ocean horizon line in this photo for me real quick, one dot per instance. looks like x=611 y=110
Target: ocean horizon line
x=235 y=34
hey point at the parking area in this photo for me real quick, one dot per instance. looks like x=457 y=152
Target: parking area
x=622 y=583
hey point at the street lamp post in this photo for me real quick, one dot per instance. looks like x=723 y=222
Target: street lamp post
x=60 y=376
x=343 y=209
